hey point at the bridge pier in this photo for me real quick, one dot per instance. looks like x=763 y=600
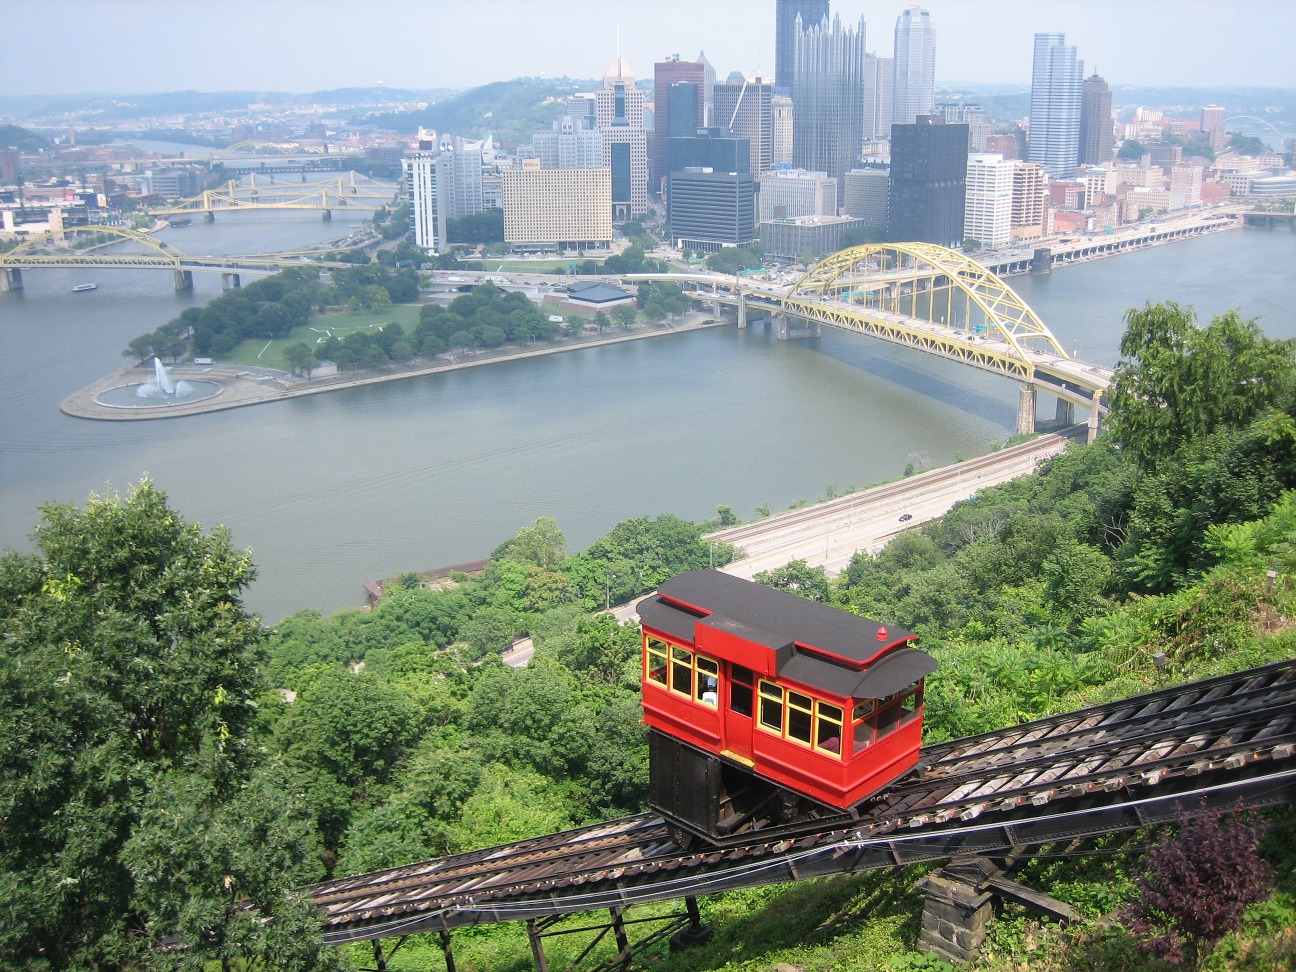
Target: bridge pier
x=742 y=310
x=1026 y=409
x=183 y=280
x=11 y=280
x=1064 y=414
x=787 y=329
x=1095 y=420
x=209 y=217
x=328 y=215
x=231 y=281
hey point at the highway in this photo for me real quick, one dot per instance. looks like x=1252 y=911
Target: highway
x=829 y=534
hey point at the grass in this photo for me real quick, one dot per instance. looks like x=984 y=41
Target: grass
x=269 y=354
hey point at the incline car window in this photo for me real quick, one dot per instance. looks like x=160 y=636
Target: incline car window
x=682 y=671
x=801 y=719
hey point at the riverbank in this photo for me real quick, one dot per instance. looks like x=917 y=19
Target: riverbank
x=242 y=386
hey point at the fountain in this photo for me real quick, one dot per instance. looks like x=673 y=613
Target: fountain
x=162 y=386
x=160 y=391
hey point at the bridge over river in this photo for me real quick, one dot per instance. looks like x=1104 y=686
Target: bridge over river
x=925 y=297
x=51 y=249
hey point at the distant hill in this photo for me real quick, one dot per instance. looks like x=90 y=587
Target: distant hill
x=11 y=136
x=100 y=107
x=510 y=110
x=1005 y=103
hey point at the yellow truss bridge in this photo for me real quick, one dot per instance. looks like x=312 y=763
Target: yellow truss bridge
x=51 y=249
x=236 y=196
x=934 y=300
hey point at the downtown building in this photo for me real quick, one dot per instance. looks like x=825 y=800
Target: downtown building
x=1097 y=130
x=789 y=193
x=711 y=210
x=987 y=211
x=745 y=107
x=676 y=111
x=868 y=195
x=828 y=100
x=619 y=112
x=792 y=18
x=1056 y=89
x=915 y=66
x=928 y=182
x=429 y=216
x=557 y=210
x=710 y=192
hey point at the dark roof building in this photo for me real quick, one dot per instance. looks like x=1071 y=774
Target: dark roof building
x=928 y=182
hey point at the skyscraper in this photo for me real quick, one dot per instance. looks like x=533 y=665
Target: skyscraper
x=1096 y=136
x=987 y=211
x=915 y=66
x=572 y=144
x=666 y=73
x=1055 y=106
x=879 y=97
x=744 y=106
x=928 y=181
x=811 y=13
x=619 y=110
x=828 y=100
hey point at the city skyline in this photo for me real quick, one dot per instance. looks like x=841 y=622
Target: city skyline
x=86 y=46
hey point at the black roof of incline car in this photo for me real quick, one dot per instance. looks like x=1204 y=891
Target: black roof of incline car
x=815 y=644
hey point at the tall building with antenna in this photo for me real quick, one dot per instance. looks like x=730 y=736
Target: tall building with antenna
x=618 y=109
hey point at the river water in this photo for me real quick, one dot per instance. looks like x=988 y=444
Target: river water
x=329 y=491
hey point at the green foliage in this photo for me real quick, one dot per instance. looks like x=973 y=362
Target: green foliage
x=1177 y=382
x=484 y=227
x=127 y=700
x=509 y=110
x=483 y=318
x=732 y=259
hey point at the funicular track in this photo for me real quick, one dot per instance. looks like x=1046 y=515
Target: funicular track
x=1220 y=742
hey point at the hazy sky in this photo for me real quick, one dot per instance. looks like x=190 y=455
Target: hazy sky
x=131 y=46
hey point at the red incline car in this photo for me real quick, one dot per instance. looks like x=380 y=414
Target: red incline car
x=765 y=708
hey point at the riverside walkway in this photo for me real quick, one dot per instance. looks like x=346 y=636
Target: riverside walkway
x=241 y=385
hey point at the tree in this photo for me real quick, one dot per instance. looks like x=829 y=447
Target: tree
x=1177 y=382
x=797 y=578
x=541 y=543
x=1194 y=887
x=625 y=315
x=129 y=668
x=1131 y=150
x=300 y=357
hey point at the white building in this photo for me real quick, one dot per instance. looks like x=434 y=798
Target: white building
x=789 y=193
x=781 y=130
x=558 y=209
x=429 y=216
x=987 y=212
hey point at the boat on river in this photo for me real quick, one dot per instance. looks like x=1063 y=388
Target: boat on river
x=82 y=288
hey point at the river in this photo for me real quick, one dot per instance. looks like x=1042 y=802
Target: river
x=332 y=490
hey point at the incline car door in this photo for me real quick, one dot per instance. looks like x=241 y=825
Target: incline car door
x=739 y=708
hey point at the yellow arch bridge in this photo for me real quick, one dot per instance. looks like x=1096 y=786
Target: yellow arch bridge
x=52 y=249
x=929 y=298
x=262 y=192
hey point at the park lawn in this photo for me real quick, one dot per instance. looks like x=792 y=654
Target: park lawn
x=269 y=354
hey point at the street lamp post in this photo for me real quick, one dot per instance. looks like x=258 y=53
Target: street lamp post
x=607 y=591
